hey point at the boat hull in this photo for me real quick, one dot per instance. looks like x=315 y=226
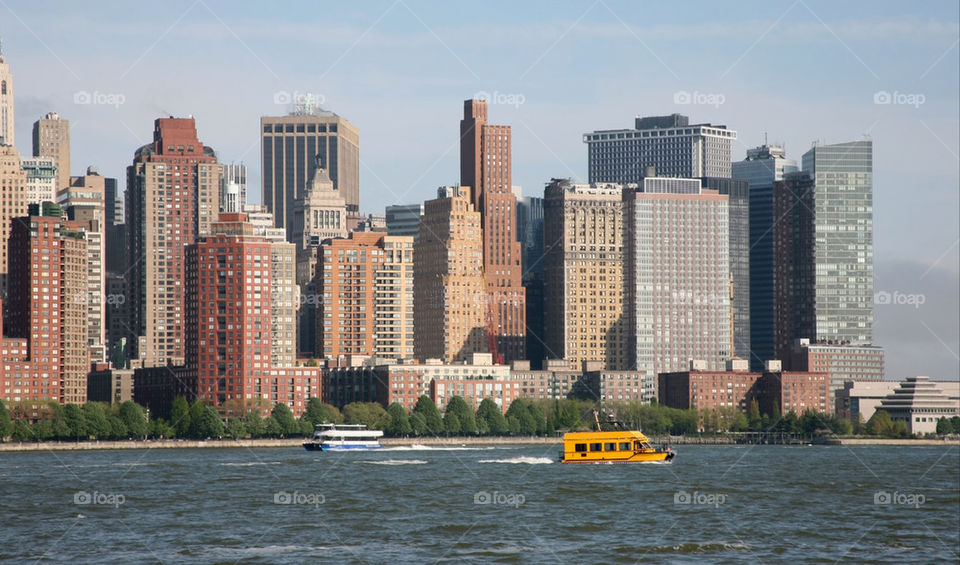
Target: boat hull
x=660 y=456
x=310 y=446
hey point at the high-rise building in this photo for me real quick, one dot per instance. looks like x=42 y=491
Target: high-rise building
x=366 y=283
x=13 y=200
x=51 y=138
x=404 y=219
x=485 y=166
x=583 y=272
x=239 y=301
x=172 y=198
x=530 y=232
x=233 y=188
x=677 y=272
x=450 y=292
x=670 y=143
x=6 y=102
x=262 y=221
x=41 y=179
x=763 y=166
x=823 y=249
x=292 y=146
x=51 y=254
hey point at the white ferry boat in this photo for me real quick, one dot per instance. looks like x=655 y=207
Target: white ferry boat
x=337 y=437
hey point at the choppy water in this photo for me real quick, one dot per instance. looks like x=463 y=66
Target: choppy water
x=507 y=505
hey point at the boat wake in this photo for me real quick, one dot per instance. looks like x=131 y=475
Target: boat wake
x=397 y=462
x=522 y=459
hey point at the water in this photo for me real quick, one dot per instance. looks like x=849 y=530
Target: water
x=504 y=505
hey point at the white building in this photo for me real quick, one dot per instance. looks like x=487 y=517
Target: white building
x=41 y=179
x=920 y=403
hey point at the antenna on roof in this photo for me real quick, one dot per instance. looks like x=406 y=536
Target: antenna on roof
x=765 y=138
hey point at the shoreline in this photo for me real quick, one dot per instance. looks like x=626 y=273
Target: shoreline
x=401 y=442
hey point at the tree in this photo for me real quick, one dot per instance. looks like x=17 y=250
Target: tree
x=493 y=420
x=369 y=414
x=180 y=416
x=451 y=424
x=161 y=429
x=431 y=416
x=284 y=416
x=880 y=424
x=740 y=423
x=956 y=424
x=526 y=422
x=254 y=424
x=399 y=422
x=418 y=424
x=196 y=412
x=468 y=422
x=22 y=431
x=118 y=430
x=95 y=417
x=75 y=421
x=134 y=419
x=537 y=415
x=271 y=428
x=319 y=413
x=753 y=415
x=208 y=424
x=6 y=424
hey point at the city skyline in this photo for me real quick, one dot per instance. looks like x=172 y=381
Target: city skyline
x=409 y=145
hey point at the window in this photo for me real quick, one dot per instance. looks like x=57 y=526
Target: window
x=610 y=446
x=596 y=447
x=579 y=447
x=625 y=446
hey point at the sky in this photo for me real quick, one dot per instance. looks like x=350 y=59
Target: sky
x=792 y=72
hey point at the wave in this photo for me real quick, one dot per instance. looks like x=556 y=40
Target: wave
x=522 y=459
x=251 y=463
x=397 y=462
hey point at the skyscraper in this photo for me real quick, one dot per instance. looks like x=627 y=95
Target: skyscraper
x=669 y=143
x=677 y=275
x=233 y=188
x=6 y=101
x=485 y=166
x=51 y=138
x=41 y=179
x=583 y=273
x=530 y=231
x=404 y=219
x=172 y=197
x=291 y=147
x=450 y=292
x=13 y=200
x=823 y=248
x=763 y=166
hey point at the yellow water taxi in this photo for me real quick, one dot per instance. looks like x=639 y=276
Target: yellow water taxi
x=614 y=446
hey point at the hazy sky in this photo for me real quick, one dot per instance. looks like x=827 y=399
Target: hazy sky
x=797 y=71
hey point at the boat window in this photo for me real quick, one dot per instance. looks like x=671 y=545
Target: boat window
x=625 y=446
x=596 y=447
x=612 y=446
x=580 y=447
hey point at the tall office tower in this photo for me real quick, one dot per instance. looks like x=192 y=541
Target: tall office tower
x=51 y=257
x=823 y=248
x=583 y=228
x=530 y=232
x=677 y=275
x=763 y=166
x=485 y=165
x=290 y=148
x=404 y=219
x=739 y=233
x=84 y=201
x=112 y=200
x=172 y=198
x=450 y=292
x=6 y=101
x=669 y=143
x=233 y=188
x=367 y=285
x=239 y=338
x=51 y=138
x=41 y=179
x=13 y=200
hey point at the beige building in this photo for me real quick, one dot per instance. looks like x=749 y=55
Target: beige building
x=51 y=138
x=41 y=179
x=6 y=102
x=13 y=203
x=393 y=300
x=449 y=288
x=583 y=270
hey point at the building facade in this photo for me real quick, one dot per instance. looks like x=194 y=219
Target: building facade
x=6 y=102
x=41 y=179
x=530 y=231
x=404 y=219
x=233 y=188
x=51 y=138
x=920 y=403
x=668 y=143
x=13 y=200
x=486 y=167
